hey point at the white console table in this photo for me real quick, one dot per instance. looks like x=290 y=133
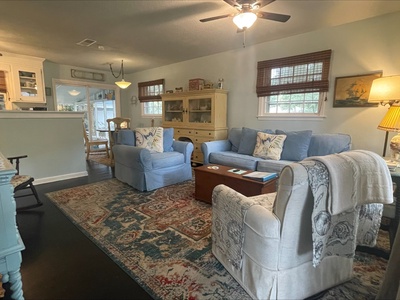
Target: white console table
x=11 y=243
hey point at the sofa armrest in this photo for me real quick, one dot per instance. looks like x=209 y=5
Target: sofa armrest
x=132 y=157
x=184 y=147
x=214 y=146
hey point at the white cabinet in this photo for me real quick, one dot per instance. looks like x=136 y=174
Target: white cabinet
x=196 y=116
x=24 y=78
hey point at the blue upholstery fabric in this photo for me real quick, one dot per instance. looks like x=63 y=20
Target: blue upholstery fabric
x=168 y=139
x=147 y=171
x=234 y=136
x=230 y=158
x=248 y=140
x=125 y=137
x=166 y=159
x=296 y=144
x=323 y=144
x=269 y=165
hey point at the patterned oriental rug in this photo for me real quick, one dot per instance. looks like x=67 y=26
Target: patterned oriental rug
x=162 y=240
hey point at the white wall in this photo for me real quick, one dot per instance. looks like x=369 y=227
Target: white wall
x=358 y=48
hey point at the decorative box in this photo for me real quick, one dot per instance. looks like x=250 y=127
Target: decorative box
x=196 y=84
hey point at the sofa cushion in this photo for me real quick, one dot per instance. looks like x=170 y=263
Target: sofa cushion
x=324 y=144
x=234 y=159
x=234 y=136
x=166 y=159
x=269 y=146
x=296 y=144
x=168 y=139
x=248 y=140
x=150 y=138
x=125 y=137
x=272 y=165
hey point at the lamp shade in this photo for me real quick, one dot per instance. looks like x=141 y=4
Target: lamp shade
x=391 y=121
x=245 y=19
x=74 y=93
x=123 y=84
x=385 y=89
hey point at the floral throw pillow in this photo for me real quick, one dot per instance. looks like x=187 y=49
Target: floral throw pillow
x=269 y=146
x=150 y=138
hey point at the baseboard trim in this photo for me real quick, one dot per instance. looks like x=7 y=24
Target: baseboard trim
x=60 y=177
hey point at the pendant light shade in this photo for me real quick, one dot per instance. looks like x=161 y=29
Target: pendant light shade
x=122 y=84
x=245 y=19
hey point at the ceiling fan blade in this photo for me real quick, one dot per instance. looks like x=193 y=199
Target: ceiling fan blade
x=273 y=16
x=215 y=18
x=262 y=3
x=232 y=3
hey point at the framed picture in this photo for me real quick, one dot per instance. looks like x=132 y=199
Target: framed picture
x=353 y=91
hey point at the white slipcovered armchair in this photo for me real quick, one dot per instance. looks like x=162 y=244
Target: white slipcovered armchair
x=266 y=241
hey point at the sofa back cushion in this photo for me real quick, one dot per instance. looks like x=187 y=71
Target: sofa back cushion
x=125 y=137
x=168 y=139
x=248 y=140
x=234 y=136
x=329 y=143
x=296 y=144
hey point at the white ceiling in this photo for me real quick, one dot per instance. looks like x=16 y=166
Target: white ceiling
x=148 y=34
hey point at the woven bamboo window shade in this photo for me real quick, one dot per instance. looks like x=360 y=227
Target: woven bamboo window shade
x=3 y=86
x=151 y=90
x=295 y=74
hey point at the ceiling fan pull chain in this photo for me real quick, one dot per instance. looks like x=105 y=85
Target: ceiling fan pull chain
x=244 y=38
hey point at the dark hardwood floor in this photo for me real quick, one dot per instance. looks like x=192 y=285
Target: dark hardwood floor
x=59 y=261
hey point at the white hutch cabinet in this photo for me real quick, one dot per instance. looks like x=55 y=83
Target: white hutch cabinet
x=196 y=116
x=24 y=79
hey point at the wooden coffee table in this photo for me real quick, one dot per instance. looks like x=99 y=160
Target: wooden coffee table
x=209 y=176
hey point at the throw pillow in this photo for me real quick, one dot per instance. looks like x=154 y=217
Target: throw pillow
x=269 y=146
x=150 y=138
x=296 y=144
x=168 y=139
x=248 y=140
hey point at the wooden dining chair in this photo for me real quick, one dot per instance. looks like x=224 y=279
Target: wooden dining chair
x=23 y=182
x=91 y=143
x=114 y=125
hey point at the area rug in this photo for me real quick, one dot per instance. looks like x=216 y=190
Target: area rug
x=162 y=240
x=101 y=158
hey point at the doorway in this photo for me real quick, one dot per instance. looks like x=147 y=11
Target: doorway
x=99 y=102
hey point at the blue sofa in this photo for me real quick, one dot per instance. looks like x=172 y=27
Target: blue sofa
x=237 y=150
x=145 y=170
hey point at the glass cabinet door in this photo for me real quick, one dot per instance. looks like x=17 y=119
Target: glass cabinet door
x=173 y=111
x=30 y=85
x=200 y=110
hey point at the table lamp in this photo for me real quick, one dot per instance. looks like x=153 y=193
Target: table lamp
x=386 y=90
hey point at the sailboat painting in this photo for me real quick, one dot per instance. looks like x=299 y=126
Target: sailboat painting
x=353 y=91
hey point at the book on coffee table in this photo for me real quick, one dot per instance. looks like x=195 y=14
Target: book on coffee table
x=260 y=176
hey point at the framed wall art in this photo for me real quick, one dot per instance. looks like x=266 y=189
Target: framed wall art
x=353 y=91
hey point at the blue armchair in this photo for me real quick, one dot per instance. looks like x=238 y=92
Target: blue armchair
x=146 y=170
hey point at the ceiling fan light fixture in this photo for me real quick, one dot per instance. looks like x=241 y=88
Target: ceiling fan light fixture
x=123 y=84
x=245 y=19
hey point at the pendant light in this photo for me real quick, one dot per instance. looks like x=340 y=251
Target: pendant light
x=122 y=84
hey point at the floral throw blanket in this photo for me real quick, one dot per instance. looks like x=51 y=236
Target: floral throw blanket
x=338 y=234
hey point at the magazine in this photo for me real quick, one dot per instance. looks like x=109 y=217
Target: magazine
x=261 y=176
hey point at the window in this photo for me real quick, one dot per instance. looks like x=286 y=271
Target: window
x=149 y=97
x=295 y=85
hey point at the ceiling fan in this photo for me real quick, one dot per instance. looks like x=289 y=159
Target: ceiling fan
x=248 y=13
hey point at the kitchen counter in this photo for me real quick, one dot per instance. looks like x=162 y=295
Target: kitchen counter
x=29 y=114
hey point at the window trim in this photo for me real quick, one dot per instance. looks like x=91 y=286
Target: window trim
x=150 y=116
